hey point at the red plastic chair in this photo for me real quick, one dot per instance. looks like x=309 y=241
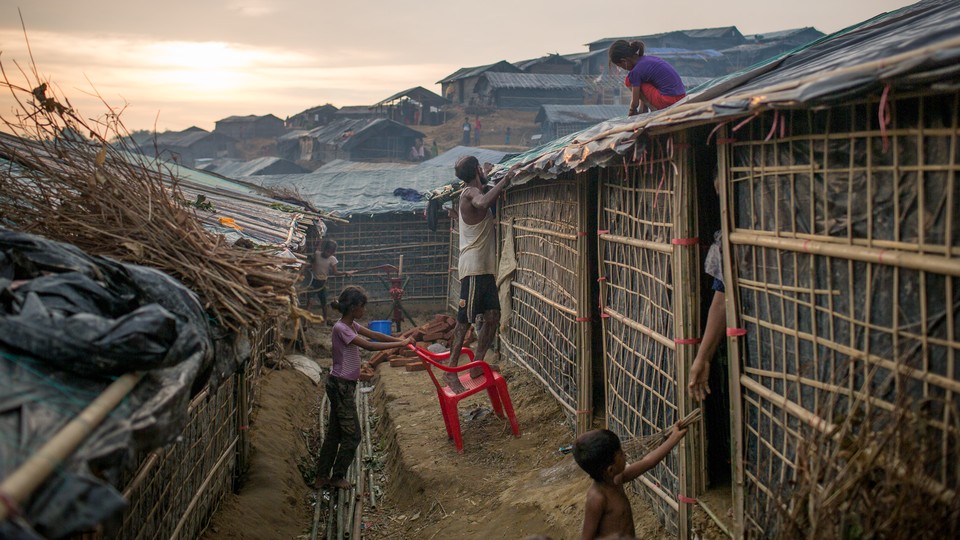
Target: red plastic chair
x=491 y=381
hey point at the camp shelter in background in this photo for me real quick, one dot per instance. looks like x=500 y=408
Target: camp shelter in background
x=243 y=128
x=232 y=168
x=414 y=106
x=187 y=146
x=559 y=120
x=364 y=139
x=528 y=91
x=458 y=87
x=838 y=205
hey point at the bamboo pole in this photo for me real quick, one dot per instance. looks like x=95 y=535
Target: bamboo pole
x=584 y=345
x=914 y=261
x=686 y=324
x=198 y=495
x=636 y=242
x=21 y=483
x=727 y=216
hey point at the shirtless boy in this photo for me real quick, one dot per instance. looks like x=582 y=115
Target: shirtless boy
x=598 y=452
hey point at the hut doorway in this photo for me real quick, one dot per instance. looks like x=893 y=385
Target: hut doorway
x=716 y=407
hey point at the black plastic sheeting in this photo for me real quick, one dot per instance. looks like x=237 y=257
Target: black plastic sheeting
x=914 y=47
x=69 y=323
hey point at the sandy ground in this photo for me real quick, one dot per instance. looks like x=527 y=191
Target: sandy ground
x=273 y=501
x=500 y=487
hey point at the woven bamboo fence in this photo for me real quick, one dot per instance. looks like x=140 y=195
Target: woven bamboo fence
x=843 y=237
x=175 y=490
x=649 y=294
x=369 y=241
x=549 y=333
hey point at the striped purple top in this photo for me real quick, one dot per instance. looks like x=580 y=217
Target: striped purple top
x=346 y=356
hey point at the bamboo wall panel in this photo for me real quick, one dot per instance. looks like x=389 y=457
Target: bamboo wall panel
x=636 y=262
x=543 y=333
x=369 y=241
x=834 y=334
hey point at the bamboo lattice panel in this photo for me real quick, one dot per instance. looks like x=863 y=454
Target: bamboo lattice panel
x=844 y=249
x=371 y=241
x=637 y=227
x=543 y=333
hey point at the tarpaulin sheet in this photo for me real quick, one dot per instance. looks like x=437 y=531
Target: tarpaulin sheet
x=70 y=323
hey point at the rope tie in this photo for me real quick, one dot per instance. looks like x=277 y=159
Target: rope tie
x=736 y=332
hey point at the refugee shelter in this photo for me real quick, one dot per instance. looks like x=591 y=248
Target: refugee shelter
x=312 y=117
x=385 y=221
x=233 y=168
x=179 y=373
x=458 y=87
x=365 y=139
x=837 y=171
x=528 y=91
x=188 y=146
x=414 y=106
x=250 y=127
x=559 y=120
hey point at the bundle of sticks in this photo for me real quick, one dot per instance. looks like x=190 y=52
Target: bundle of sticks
x=85 y=183
x=640 y=446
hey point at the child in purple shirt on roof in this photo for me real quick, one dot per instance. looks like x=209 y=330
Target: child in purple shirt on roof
x=652 y=80
x=343 y=433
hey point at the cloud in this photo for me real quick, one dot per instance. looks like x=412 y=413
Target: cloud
x=252 y=8
x=199 y=82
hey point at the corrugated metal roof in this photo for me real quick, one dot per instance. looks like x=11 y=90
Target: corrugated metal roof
x=248 y=119
x=719 y=32
x=916 y=46
x=466 y=73
x=539 y=81
x=565 y=114
x=184 y=138
x=418 y=93
x=235 y=168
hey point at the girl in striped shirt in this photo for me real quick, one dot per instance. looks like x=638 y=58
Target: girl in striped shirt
x=343 y=434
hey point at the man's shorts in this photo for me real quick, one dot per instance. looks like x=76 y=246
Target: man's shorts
x=320 y=292
x=477 y=294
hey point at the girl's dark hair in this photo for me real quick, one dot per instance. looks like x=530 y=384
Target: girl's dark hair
x=595 y=450
x=620 y=49
x=351 y=297
x=328 y=245
x=466 y=168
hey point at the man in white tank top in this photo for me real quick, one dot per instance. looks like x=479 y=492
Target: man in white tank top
x=477 y=264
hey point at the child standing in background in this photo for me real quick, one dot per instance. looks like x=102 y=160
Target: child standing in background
x=598 y=452
x=343 y=434
x=324 y=266
x=651 y=79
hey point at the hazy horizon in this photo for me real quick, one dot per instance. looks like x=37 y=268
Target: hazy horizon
x=192 y=63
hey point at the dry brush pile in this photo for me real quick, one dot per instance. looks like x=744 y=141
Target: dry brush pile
x=877 y=472
x=81 y=180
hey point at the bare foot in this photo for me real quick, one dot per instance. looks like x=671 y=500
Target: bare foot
x=340 y=483
x=477 y=372
x=320 y=482
x=454 y=383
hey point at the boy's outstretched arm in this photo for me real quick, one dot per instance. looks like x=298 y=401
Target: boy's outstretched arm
x=650 y=460
x=592 y=515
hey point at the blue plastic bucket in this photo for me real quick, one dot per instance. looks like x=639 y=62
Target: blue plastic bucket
x=380 y=326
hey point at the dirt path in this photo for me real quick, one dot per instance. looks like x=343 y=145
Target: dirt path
x=500 y=487
x=273 y=501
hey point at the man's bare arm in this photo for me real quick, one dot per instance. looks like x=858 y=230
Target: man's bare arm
x=487 y=199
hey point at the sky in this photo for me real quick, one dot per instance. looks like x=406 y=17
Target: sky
x=172 y=64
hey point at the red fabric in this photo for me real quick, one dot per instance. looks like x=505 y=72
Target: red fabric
x=653 y=97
